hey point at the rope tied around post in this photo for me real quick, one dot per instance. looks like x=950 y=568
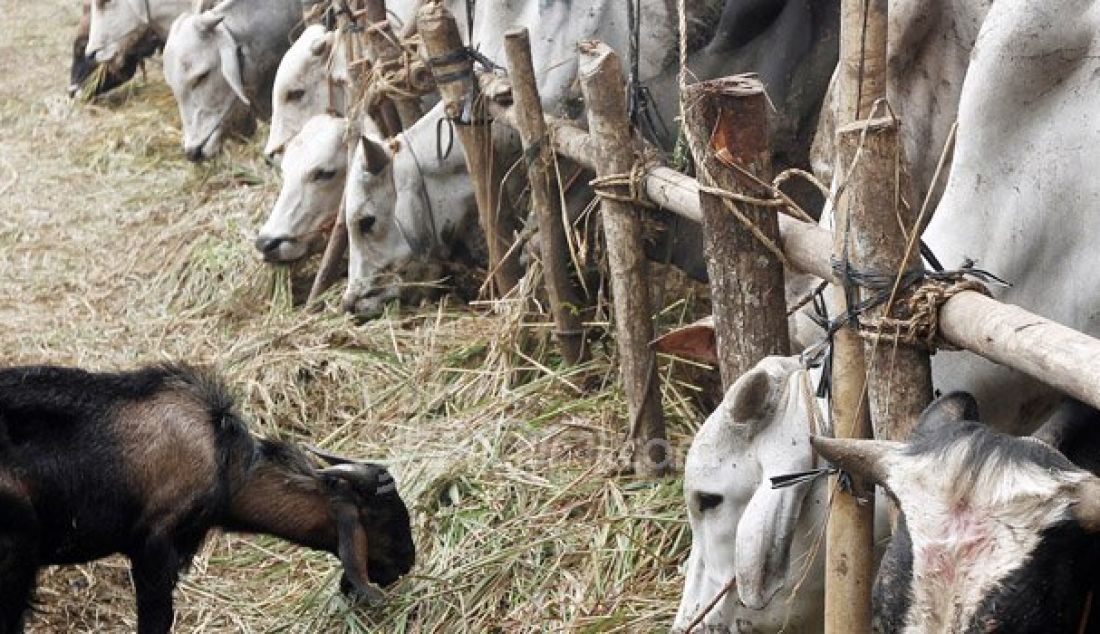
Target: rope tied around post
x=612 y=186
x=917 y=322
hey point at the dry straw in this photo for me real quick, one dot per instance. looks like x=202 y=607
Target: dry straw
x=119 y=252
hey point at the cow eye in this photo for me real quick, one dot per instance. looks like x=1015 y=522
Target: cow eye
x=201 y=78
x=366 y=224
x=324 y=175
x=708 y=501
x=295 y=95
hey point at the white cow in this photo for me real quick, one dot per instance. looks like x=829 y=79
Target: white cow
x=222 y=61
x=314 y=170
x=742 y=528
x=430 y=193
x=313 y=75
x=1022 y=200
x=311 y=80
x=116 y=25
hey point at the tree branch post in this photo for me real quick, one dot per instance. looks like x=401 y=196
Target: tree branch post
x=727 y=120
x=531 y=123
x=602 y=83
x=454 y=78
x=387 y=52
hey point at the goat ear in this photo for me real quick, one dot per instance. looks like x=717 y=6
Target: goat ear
x=231 y=63
x=352 y=548
x=948 y=409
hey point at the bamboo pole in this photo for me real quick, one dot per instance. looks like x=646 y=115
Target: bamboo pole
x=728 y=126
x=442 y=41
x=564 y=299
x=387 y=52
x=602 y=83
x=849 y=547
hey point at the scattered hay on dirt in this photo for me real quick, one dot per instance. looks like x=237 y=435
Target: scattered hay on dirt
x=118 y=251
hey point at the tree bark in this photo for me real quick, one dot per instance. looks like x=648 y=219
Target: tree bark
x=728 y=123
x=563 y=296
x=602 y=84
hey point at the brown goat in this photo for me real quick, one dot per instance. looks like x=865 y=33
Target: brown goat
x=145 y=463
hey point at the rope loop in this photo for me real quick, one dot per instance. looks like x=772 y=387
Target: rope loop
x=627 y=187
x=916 y=319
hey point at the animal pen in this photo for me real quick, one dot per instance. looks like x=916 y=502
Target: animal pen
x=891 y=313
x=879 y=355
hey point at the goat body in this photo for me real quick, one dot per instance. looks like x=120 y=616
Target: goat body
x=145 y=463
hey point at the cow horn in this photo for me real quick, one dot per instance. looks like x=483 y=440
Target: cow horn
x=1071 y=417
x=208 y=21
x=1087 y=508
x=864 y=458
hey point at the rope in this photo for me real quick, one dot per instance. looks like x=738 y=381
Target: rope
x=919 y=324
x=610 y=186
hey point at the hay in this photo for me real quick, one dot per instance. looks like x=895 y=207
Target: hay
x=119 y=252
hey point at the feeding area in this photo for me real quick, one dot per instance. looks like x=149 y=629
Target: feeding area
x=587 y=316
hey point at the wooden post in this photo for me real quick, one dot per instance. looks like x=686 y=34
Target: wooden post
x=849 y=551
x=602 y=83
x=442 y=41
x=564 y=299
x=728 y=122
x=862 y=58
x=900 y=375
x=387 y=52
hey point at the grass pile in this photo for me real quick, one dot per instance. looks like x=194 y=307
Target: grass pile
x=120 y=252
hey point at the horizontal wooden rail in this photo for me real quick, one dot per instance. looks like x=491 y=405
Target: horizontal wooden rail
x=1003 y=333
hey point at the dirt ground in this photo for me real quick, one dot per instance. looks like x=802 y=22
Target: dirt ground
x=116 y=251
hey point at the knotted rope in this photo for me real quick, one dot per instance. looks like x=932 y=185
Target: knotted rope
x=916 y=321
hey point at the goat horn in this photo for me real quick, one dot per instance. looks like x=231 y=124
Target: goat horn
x=864 y=458
x=330 y=458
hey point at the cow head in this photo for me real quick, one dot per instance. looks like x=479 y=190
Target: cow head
x=997 y=532
x=114 y=26
x=202 y=64
x=314 y=171
x=399 y=222
x=301 y=87
x=742 y=528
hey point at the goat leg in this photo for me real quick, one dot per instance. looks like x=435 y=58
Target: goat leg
x=155 y=570
x=18 y=565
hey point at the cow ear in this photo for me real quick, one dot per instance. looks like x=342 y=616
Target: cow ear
x=752 y=396
x=949 y=409
x=1065 y=425
x=375 y=155
x=763 y=542
x=694 y=341
x=321 y=45
x=228 y=52
x=864 y=458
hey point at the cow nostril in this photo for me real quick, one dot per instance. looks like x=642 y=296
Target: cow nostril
x=268 y=245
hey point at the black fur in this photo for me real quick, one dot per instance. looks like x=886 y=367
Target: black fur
x=1048 y=592
x=66 y=495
